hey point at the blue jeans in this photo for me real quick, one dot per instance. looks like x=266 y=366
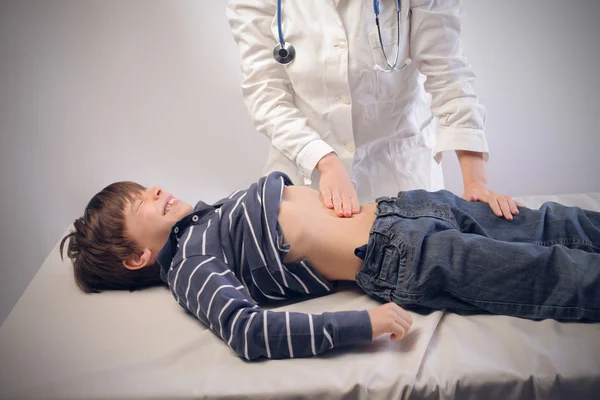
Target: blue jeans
x=438 y=251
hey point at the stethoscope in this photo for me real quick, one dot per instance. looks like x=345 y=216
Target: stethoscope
x=284 y=53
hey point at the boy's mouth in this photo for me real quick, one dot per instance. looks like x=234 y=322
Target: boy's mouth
x=169 y=204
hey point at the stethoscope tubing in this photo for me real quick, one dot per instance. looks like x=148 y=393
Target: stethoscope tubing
x=284 y=53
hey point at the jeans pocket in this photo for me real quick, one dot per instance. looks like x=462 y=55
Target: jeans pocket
x=392 y=265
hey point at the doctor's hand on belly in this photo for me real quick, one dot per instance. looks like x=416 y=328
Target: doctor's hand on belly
x=336 y=187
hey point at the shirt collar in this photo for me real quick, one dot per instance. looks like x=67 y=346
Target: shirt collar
x=201 y=213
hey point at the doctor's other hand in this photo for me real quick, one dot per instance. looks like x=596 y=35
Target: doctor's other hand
x=336 y=187
x=390 y=318
x=501 y=205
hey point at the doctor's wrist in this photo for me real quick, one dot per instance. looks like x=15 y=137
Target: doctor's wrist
x=328 y=161
x=472 y=166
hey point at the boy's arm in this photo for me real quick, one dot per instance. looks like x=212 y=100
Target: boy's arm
x=209 y=289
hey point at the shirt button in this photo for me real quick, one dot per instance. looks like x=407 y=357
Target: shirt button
x=350 y=148
x=195 y=218
x=345 y=99
x=342 y=45
x=176 y=230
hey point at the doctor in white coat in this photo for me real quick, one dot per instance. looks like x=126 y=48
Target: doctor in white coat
x=343 y=117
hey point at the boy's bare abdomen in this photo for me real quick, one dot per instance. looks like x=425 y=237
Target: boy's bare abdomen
x=314 y=232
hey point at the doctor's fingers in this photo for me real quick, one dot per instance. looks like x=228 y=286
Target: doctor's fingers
x=507 y=206
x=493 y=203
x=326 y=194
x=337 y=202
x=512 y=205
x=355 y=205
x=347 y=204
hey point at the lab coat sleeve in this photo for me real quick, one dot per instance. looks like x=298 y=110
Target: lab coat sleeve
x=267 y=89
x=436 y=50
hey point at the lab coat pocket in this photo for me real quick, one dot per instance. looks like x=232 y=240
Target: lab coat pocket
x=415 y=168
x=389 y=37
x=383 y=57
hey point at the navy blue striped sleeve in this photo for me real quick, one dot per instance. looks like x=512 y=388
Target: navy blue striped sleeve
x=208 y=289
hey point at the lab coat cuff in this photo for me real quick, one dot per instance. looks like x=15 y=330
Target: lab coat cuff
x=468 y=139
x=309 y=156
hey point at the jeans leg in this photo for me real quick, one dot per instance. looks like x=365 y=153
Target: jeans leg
x=552 y=224
x=466 y=271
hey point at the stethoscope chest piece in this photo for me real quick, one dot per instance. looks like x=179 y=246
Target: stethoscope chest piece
x=284 y=54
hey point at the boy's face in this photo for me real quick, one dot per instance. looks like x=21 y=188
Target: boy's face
x=150 y=217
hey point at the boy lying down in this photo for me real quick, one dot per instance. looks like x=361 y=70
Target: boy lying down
x=276 y=241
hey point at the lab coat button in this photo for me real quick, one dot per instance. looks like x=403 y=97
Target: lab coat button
x=343 y=45
x=350 y=148
x=345 y=99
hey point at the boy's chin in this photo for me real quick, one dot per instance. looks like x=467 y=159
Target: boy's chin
x=181 y=212
x=186 y=209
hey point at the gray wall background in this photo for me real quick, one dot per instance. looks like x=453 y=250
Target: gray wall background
x=93 y=92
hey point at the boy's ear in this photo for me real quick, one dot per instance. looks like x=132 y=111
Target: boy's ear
x=138 y=261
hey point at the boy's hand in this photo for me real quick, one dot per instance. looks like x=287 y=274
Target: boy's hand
x=390 y=318
x=336 y=187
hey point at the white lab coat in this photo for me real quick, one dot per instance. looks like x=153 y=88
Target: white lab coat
x=330 y=98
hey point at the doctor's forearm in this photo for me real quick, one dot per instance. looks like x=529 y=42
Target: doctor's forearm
x=472 y=166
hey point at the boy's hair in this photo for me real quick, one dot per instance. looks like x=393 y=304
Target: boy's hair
x=99 y=244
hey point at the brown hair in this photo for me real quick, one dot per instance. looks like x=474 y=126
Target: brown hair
x=99 y=244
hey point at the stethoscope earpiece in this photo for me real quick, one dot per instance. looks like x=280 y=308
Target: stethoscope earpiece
x=284 y=54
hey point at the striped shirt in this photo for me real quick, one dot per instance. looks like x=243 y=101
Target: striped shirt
x=223 y=259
